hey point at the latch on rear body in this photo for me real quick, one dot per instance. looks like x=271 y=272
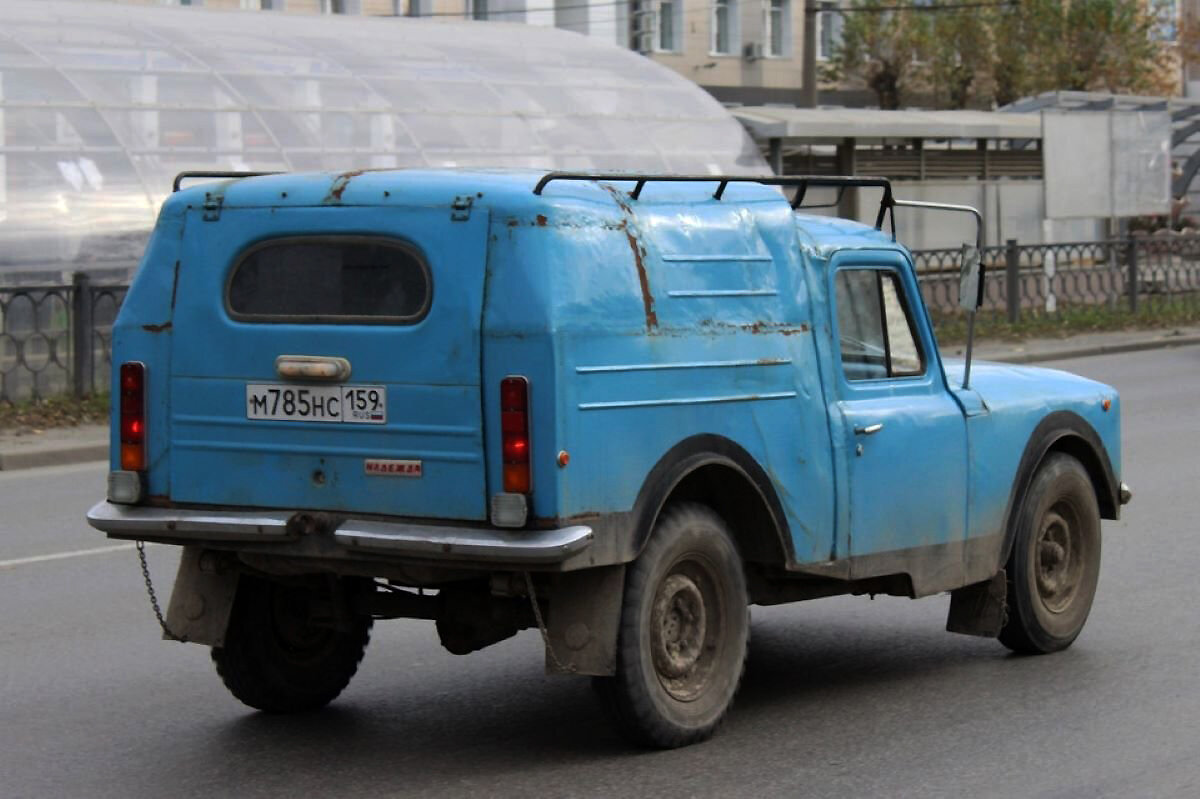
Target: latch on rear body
x=212 y=206
x=460 y=209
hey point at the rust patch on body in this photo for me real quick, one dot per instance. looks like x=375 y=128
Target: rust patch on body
x=513 y=223
x=339 y=185
x=758 y=328
x=541 y=220
x=643 y=280
x=174 y=288
x=639 y=255
x=157 y=328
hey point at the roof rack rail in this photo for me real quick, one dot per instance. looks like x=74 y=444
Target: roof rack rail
x=196 y=174
x=801 y=182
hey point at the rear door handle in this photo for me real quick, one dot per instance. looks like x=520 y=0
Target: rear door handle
x=869 y=430
x=312 y=367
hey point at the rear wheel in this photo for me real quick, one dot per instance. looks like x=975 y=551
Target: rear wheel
x=279 y=656
x=684 y=629
x=1055 y=560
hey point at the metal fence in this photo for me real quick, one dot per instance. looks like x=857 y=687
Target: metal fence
x=1129 y=273
x=57 y=339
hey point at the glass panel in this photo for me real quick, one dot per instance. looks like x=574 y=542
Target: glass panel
x=140 y=88
x=776 y=27
x=47 y=127
x=14 y=55
x=294 y=130
x=902 y=347
x=860 y=324
x=666 y=26
x=330 y=280
x=874 y=328
x=720 y=39
x=40 y=86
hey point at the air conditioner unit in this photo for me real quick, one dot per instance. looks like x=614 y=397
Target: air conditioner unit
x=752 y=51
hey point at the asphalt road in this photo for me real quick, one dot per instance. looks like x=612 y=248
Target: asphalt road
x=844 y=697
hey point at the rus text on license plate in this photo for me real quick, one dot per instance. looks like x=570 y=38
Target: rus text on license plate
x=352 y=404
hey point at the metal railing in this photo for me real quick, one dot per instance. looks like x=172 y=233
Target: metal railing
x=1133 y=272
x=57 y=339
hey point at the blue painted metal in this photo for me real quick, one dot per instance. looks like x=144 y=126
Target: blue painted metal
x=638 y=323
x=906 y=485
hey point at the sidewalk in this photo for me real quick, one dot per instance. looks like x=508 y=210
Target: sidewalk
x=1036 y=350
x=65 y=445
x=55 y=446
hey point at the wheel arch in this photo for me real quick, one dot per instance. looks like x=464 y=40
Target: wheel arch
x=717 y=472
x=1068 y=433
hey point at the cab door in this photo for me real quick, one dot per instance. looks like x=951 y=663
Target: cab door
x=904 y=447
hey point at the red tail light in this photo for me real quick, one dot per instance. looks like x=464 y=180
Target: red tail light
x=133 y=416
x=514 y=432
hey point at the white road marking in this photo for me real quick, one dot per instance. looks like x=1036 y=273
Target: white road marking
x=75 y=553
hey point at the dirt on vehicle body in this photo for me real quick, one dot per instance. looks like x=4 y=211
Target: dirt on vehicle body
x=618 y=410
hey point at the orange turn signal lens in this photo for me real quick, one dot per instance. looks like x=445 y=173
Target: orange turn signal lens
x=516 y=478
x=133 y=457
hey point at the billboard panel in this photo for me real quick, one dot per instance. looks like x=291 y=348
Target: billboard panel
x=1141 y=158
x=1077 y=164
x=1106 y=163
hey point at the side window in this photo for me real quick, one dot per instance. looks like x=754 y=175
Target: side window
x=877 y=338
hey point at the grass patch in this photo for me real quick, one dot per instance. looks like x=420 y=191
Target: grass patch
x=65 y=411
x=1068 y=321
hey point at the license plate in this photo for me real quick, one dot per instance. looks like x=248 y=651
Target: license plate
x=290 y=403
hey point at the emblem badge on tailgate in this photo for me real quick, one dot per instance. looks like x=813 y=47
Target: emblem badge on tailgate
x=392 y=468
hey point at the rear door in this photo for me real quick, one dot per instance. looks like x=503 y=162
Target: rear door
x=328 y=358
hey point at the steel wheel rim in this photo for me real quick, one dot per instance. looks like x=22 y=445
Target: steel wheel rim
x=686 y=622
x=1058 y=558
x=292 y=626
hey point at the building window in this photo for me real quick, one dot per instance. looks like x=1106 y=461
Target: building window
x=776 y=25
x=1167 y=29
x=724 y=30
x=667 y=40
x=829 y=31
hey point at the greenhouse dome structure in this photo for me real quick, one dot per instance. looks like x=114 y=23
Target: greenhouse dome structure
x=101 y=104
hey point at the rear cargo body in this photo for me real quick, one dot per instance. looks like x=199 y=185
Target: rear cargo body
x=242 y=433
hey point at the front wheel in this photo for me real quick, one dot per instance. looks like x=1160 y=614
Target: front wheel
x=684 y=630
x=1055 y=560
x=279 y=656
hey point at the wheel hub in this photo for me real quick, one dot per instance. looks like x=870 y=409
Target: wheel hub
x=678 y=626
x=1057 y=563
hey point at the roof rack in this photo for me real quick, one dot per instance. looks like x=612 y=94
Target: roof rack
x=182 y=176
x=802 y=183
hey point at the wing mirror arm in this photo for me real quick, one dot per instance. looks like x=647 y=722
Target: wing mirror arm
x=971 y=274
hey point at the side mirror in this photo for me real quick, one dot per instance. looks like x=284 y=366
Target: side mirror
x=970 y=280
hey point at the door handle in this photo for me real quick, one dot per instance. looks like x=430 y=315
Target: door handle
x=869 y=430
x=312 y=367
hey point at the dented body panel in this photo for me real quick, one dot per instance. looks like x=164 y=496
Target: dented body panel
x=640 y=325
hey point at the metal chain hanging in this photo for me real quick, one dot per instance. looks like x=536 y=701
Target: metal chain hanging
x=537 y=615
x=141 y=552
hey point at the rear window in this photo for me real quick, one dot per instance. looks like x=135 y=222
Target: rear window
x=330 y=280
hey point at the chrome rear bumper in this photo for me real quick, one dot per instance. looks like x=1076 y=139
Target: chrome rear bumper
x=427 y=542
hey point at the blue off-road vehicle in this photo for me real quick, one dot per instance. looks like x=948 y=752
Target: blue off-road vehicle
x=618 y=408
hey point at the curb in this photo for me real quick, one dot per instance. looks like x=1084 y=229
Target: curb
x=52 y=455
x=1098 y=349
